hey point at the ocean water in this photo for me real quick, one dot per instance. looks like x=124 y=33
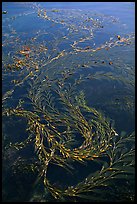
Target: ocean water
x=49 y=46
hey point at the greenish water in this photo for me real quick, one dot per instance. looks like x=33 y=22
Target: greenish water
x=71 y=50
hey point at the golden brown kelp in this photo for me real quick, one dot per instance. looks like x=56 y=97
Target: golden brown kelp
x=52 y=130
x=63 y=130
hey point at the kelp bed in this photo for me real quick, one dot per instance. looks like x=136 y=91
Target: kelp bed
x=59 y=139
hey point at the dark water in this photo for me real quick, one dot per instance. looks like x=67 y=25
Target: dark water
x=99 y=24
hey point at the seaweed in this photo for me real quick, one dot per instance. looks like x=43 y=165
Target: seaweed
x=47 y=86
x=53 y=145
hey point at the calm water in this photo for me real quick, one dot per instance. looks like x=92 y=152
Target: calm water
x=87 y=33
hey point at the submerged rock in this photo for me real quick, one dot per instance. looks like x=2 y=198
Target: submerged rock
x=4 y=12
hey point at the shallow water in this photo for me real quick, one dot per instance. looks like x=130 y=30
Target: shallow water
x=76 y=40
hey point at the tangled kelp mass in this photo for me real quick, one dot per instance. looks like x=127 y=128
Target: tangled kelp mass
x=65 y=92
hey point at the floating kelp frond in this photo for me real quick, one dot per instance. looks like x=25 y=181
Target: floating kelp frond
x=48 y=72
x=99 y=141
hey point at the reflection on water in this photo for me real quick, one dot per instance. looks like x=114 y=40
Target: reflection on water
x=68 y=84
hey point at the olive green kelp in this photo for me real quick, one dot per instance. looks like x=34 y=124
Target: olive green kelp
x=64 y=86
x=66 y=133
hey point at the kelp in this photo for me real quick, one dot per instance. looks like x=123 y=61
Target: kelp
x=63 y=131
x=54 y=144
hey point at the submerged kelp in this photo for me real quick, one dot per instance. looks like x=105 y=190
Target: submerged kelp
x=59 y=139
x=53 y=130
